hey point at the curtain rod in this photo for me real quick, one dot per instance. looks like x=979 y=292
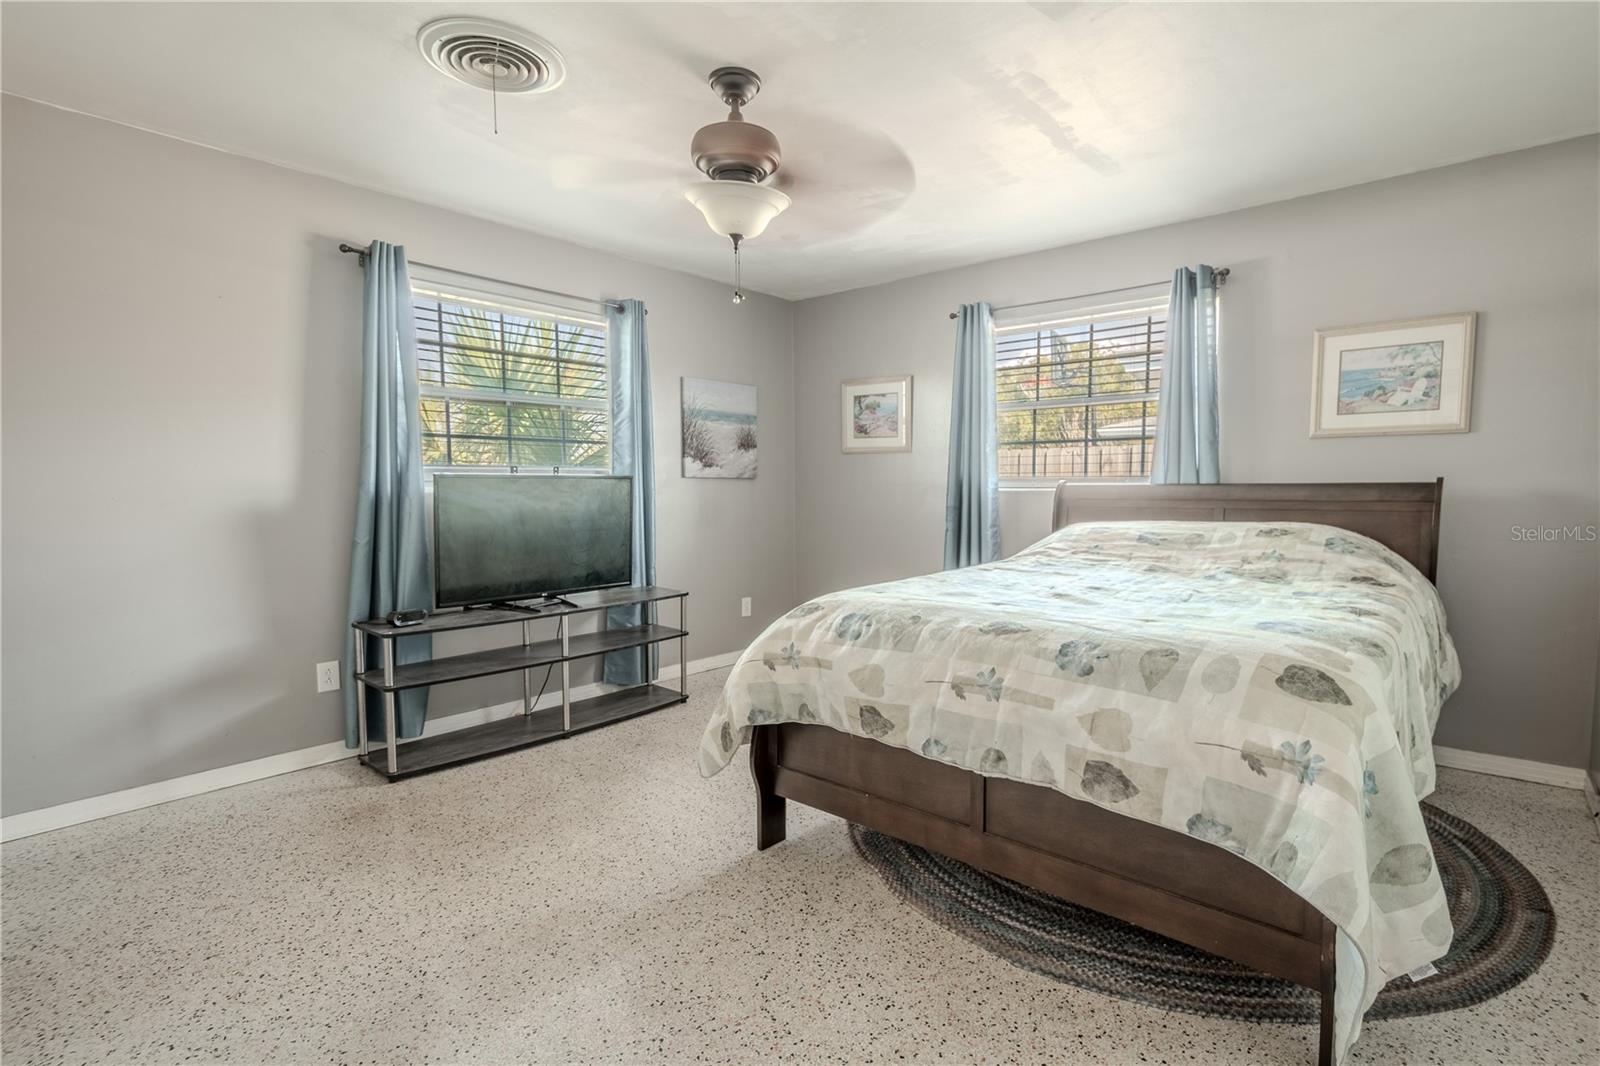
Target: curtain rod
x=1221 y=274
x=350 y=249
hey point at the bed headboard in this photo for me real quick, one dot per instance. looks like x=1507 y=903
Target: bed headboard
x=1402 y=515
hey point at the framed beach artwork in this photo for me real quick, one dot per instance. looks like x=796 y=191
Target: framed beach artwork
x=1393 y=377
x=876 y=414
x=719 y=429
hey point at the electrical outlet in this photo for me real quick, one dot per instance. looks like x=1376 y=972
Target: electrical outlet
x=744 y=607
x=328 y=676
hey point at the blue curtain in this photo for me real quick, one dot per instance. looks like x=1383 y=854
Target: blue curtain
x=1186 y=447
x=389 y=549
x=972 y=494
x=633 y=453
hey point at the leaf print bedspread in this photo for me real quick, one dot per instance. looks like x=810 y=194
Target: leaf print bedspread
x=1270 y=689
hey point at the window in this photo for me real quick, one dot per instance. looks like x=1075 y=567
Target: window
x=1076 y=395
x=509 y=384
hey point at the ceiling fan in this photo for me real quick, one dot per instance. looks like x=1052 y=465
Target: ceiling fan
x=739 y=158
x=844 y=176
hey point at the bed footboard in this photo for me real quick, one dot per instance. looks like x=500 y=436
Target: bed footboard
x=1150 y=876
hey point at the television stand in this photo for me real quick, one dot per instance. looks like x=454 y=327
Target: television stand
x=538 y=605
x=543 y=604
x=396 y=759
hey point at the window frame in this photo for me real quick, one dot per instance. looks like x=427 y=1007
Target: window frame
x=1154 y=305
x=448 y=287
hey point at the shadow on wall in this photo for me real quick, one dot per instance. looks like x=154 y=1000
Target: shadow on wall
x=1024 y=518
x=296 y=552
x=299 y=548
x=261 y=698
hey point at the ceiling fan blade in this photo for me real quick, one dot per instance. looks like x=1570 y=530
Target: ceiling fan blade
x=576 y=170
x=842 y=177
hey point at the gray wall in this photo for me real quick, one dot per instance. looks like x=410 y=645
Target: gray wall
x=1512 y=237
x=181 y=343
x=179 y=383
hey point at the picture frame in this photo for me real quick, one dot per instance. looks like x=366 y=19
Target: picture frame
x=875 y=414
x=719 y=429
x=1392 y=378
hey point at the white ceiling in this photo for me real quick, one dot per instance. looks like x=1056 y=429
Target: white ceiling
x=916 y=136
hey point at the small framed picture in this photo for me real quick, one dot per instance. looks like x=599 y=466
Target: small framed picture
x=876 y=415
x=1393 y=377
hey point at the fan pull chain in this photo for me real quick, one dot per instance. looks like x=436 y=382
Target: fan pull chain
x=738 y=285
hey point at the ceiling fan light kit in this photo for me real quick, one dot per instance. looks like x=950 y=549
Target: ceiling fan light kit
x=737 y=208
x=737 y=156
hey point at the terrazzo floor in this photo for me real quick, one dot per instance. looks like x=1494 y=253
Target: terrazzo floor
x=594 y=900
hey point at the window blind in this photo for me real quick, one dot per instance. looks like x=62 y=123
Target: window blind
x=509 y=384
x=1076 y=395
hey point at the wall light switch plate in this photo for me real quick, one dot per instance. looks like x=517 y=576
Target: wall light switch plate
x=744 y=607
x=328 y=676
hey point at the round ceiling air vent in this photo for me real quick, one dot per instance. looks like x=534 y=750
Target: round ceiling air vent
x=491 y=55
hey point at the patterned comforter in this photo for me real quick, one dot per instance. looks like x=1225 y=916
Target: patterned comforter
x=1269 y=689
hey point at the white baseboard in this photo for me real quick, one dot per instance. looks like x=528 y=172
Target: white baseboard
x=1540 y=773
x=30 y=823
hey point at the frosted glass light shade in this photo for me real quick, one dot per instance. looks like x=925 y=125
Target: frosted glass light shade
x=740 y=207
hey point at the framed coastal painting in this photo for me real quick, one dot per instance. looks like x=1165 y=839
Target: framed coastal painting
x=1393 y=377
x=876 y=414
x=719 y=429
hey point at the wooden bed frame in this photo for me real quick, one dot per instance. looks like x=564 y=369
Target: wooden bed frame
x=1154 y=877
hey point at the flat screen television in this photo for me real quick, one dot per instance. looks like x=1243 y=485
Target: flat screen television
x=503 y=537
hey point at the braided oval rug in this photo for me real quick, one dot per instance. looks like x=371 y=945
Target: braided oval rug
x=1503 y=930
